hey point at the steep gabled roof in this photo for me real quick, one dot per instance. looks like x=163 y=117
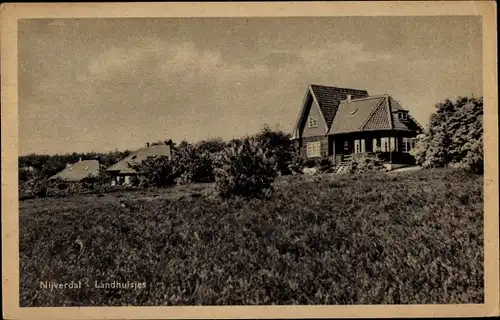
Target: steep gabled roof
x=135 y=158
x=78 y=171
x=380 y=117
x=395 y=106
x=371 y=113
x=328 y=99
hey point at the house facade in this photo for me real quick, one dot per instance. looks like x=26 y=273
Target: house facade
x=122 y=171
x=342 y=123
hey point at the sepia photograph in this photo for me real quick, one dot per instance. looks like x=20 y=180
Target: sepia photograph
x=239 y=160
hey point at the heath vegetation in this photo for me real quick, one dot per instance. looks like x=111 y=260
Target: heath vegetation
x=231 y=223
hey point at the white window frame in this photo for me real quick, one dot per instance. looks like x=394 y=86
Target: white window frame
x=408 y=144
x=402 y=115
x=392 y=144
x=384 y=144
x=359 y=146
x=376 y=148
x=313 y=122
x=314 y=149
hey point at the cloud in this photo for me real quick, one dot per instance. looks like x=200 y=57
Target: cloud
x=114 y=59
x=186 y=60
x=344 y=53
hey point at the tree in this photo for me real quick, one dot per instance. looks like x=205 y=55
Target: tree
x=156 y=171
x=244 y=169
x=454 y=137
x=278 y=144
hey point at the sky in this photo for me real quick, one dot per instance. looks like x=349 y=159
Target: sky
x=106 y=84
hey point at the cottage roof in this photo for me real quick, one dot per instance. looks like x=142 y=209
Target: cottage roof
x=328 y=99
x=78 y=171
x=371 y=113
x=136 y=157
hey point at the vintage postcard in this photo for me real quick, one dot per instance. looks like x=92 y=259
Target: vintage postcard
x=249 y=160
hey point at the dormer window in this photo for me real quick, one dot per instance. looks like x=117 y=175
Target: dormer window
x=403 y=115
x=313 y=122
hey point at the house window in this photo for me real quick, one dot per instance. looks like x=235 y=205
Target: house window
x=359 y=146
x=408 y=144
x=314 y=149
x=385 y=144
x=392 y=142
x=402 y=115
x=313 y=122
x=376 y=145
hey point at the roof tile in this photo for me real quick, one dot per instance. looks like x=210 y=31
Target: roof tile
x=329 y=99
x=352 y=116
x=371 y=113
x=379 y=120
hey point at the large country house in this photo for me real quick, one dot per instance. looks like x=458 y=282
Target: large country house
x=340 y=122
x=123 y=170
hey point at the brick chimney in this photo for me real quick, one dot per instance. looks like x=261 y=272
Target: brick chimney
x=147 y=144
x=349 y=98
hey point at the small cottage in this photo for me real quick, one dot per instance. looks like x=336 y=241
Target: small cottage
x=122 y=171
x=78 y=171
x=340 y=123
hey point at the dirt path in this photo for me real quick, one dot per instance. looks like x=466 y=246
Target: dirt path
x=406 y=169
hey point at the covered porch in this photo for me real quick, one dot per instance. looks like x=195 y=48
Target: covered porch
x=391 y=146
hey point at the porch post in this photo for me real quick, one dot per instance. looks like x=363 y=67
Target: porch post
x=333 y=146
x=390 y=148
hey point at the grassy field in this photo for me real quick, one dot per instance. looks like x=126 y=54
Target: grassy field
x=414 y=237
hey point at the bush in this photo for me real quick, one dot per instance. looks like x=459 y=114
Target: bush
x=474 y=159
x=279 y=145
x=310 y=163
x=455 y=136
x=156 y=172
x=366 y=164
x=195 y=163
x=33 y=188
x=244 y=168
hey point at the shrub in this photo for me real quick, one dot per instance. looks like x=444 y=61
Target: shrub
x=285 y=151
x=36 y=187
x=311 y=163
x=454 y=136
x=367 y=164
x=474 y=158
x=156 y=172
x=211 y=145
x=244 y=168
x=195 y=163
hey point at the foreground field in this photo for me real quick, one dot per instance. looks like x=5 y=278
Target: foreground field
x=414 y=237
